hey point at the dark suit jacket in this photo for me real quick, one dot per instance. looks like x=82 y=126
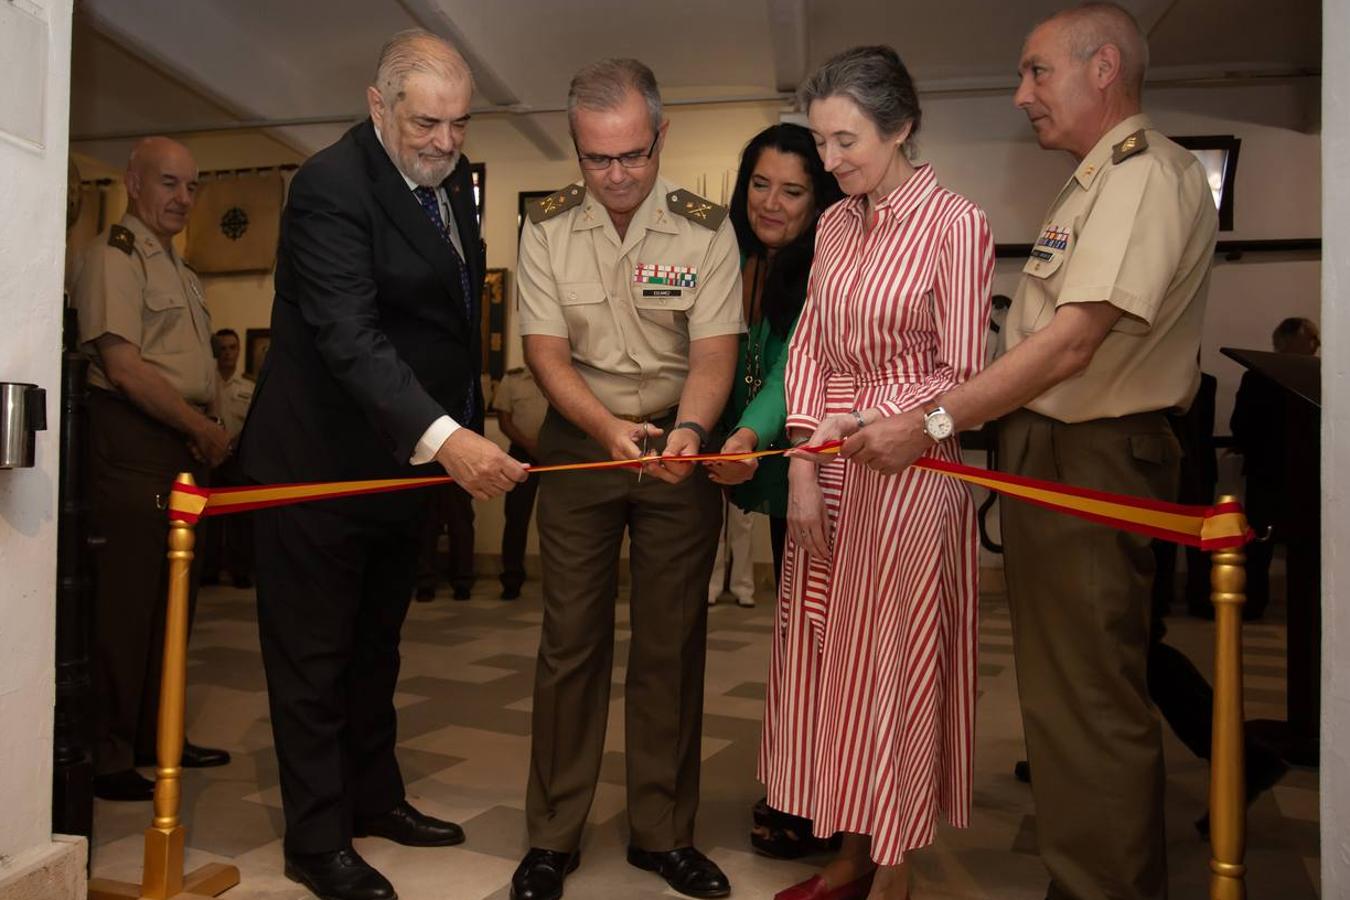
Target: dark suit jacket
x=370 y=340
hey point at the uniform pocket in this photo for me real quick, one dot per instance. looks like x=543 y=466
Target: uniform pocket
x=580 y=293
x=656 y=298
x=1158 y=449
x=164 y=301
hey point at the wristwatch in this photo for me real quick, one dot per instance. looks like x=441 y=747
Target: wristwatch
x=938 y=423
x=697 y=429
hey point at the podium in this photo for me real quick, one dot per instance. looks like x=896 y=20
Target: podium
x=1300 y=380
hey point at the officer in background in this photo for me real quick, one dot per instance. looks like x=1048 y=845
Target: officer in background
x=520 y=414
x=151 y=415
x=1101 y=344
x=630 y=309
x=227 y=542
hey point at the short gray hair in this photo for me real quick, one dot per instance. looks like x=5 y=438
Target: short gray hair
x=876 y=80
x=416 y=51
x=605 y=84
x=1091 y=26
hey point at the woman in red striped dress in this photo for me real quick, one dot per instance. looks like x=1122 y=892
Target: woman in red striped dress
x=869 y=722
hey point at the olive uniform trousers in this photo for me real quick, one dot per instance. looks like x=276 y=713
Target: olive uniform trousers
x=1080 y=598
x=132 y=461
x=672 y=530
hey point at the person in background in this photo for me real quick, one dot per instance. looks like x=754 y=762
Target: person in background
x=1259 y=435
x=450 y=513
x=520 y=414
x=1101 y=343
x=152 y=404
x=998 y=315
x=870 y=713
x=227 y=542
x=781 y=190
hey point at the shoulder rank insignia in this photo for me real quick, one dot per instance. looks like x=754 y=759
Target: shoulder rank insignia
x=122 y=238
x=1135 y=143
x=555 y=204
x=696 y=209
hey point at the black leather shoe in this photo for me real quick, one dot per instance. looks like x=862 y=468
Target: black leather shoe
x=405 y=825
x=541 y=873
x=195 y=757
x=463 y=593
x=685 y=869
x=425 y=595
x=339 y=875
x=128 y=785
x=1264 y=769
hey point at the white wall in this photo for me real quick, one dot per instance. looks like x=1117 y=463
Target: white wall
x=32 y=241
x=1335 y=770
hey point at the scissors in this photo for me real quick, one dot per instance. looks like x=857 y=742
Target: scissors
x=646 y=439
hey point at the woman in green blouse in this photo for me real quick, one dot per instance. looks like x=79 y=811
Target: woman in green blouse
x=781 y=189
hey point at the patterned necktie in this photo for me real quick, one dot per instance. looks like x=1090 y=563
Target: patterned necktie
x=431 y=205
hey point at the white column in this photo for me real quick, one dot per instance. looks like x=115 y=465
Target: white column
x=1335 y=769
x=34 y=119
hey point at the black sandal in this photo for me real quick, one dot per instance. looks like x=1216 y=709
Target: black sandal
x=788 y=837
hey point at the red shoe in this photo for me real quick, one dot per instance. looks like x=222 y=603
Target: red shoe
x=815 y=888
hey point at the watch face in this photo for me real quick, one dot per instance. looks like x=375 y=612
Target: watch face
x=938 y=424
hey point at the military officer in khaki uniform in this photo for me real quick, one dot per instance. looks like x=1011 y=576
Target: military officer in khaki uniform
x=630 y=308
x=151 y=405
x=1100 y=344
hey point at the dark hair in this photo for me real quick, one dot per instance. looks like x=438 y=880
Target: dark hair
x=1293 y=327
x=785 y=284
x=876 y=80
x=228 y=332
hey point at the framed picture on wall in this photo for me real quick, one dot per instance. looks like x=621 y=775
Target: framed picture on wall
x=256 y=343
x=494 y=325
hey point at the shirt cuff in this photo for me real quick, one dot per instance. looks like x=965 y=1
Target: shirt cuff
x=432 y=438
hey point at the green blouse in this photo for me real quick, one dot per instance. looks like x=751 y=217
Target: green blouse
x=765 y=415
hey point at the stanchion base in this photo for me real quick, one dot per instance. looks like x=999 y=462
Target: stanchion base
x=211 y=880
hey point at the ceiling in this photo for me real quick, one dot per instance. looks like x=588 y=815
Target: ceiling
x=149 y=66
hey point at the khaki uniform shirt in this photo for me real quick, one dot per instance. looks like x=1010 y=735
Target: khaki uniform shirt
x=130 y=286
x=232 y=400
x=577 y=279
x=1134 y=228
x=520 y=398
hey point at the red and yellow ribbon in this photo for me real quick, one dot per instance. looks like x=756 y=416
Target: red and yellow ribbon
x=1207 y=527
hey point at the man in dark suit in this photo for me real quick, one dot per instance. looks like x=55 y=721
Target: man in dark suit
x=373 y=371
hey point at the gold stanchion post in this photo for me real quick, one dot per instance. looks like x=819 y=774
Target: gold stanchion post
x=1227 y=785
x=163 y=877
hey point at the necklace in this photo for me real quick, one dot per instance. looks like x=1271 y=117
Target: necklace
x=754 y=350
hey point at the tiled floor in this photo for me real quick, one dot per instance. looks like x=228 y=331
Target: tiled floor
x=464 y=702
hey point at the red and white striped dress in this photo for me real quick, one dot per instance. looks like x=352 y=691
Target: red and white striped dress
x=870 y=713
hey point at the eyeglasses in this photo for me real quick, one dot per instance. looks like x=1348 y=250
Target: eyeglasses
x=594 y=163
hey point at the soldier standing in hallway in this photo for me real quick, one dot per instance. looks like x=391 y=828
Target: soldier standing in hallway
x=144 y=325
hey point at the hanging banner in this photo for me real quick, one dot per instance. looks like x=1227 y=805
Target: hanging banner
x=235 y=223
